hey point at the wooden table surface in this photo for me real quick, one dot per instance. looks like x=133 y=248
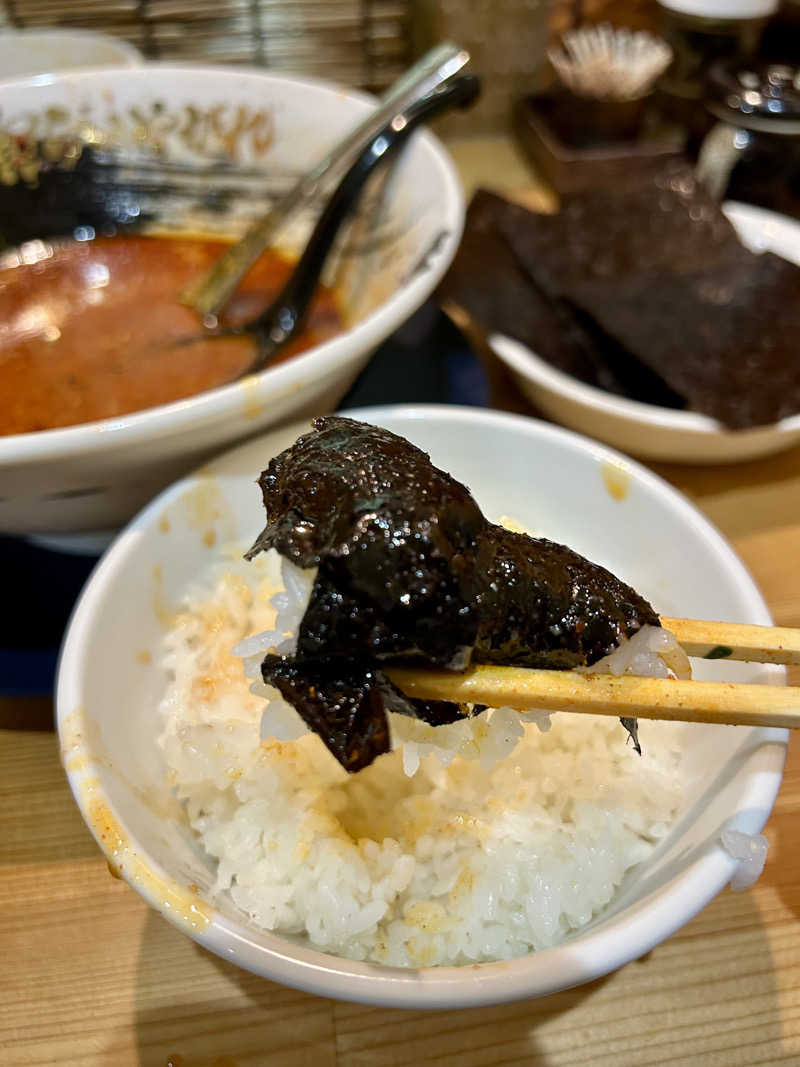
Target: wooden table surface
x=90 y=976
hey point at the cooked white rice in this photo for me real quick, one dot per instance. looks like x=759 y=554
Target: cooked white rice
x=751 y=852
x=478 y=841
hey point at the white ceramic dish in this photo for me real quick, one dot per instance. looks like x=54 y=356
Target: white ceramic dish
x=97 y=475
x=646 y=430
x=26 y=52
x=553 y=481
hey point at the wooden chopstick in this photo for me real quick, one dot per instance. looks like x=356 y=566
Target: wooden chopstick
x=737 y=641
x=603 y=694
x=644 y=698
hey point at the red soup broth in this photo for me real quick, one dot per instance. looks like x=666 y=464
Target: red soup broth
x=87 y=328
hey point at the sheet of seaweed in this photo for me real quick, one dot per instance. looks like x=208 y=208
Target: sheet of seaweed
x=725 y=338
x=666 y=223
x=642 y=289
x=510 y=293
x=488 y=281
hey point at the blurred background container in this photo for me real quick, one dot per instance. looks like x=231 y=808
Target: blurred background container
x=367 y=43
x=364 y=43
x=356 y=42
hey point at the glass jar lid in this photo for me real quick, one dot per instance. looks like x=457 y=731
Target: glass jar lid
x=757 y=96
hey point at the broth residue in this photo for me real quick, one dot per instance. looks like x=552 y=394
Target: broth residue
x=86 y=328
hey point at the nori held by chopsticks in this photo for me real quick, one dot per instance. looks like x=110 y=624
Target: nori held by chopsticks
x=409 y=570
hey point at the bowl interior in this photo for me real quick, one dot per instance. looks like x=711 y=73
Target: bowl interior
x=557 y=485
x=209 y=150
x=25 y=52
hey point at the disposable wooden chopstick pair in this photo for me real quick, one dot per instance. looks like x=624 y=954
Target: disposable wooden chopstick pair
x=730 y=703
x=736 y=640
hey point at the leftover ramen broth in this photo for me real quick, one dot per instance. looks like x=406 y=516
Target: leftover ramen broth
x=86 y=327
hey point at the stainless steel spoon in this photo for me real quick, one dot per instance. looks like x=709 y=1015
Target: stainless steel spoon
x=281 y=320
x=210 y=294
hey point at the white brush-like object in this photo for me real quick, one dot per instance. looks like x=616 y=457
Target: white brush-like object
x=607 y=63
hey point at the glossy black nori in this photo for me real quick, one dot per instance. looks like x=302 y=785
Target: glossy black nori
x=410 y=570
x=339 y=701
x=395 y=541
x=542 y=605
x=344 y=702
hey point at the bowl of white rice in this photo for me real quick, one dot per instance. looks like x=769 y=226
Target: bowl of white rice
x=493 y=859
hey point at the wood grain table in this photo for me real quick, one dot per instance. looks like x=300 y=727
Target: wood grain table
x=89 y=976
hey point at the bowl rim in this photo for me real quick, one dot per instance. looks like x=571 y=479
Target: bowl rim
x=214 y=405
x=129 y=56
x=590 y=955
x=528 y=363
x=522 y=359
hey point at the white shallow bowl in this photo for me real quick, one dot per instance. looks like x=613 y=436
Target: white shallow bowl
x=647 y=430
x=554 y=482
x=24 y=52
x=95 y=476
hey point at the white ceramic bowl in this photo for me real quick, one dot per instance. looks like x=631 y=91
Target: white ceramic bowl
x=644 y=429
x=548 y=478
x=24 y=52
x=97 y=475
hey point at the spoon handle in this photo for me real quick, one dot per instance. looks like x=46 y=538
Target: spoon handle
x=286 y=313
x=213 y=291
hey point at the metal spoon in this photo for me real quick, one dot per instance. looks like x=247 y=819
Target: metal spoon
x=213 y=291
x=281 y=320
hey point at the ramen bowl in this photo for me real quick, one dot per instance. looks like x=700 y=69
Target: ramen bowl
x=205 y=149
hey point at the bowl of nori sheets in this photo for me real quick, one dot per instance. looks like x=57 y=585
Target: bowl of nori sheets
x=113 y=675
x=645 y=315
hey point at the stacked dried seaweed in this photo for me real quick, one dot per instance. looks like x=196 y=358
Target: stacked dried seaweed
x=643 y=290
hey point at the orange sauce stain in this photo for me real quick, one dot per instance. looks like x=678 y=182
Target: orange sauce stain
x=174 y=902
x=161 y=609
x=114 y=870
x=616 y=480
x=252 y=404
x=204 y=502
x=74 y=756
x=81 y=753
x=76 y=763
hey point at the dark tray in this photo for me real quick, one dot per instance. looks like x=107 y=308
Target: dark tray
x=570 y=169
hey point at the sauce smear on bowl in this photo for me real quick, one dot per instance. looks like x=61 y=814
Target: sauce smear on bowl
x=88 y=328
